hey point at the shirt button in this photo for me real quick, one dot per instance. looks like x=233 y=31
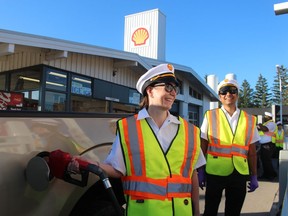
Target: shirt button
x=186 y=202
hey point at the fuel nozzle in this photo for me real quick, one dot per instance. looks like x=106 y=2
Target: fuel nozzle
x=58 y=163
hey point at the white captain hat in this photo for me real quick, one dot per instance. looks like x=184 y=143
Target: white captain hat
x=161 y=73
x=227 y=82
x=268 y=114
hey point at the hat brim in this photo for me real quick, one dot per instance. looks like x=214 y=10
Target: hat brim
x=228 y=85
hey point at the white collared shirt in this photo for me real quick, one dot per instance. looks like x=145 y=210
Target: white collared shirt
x=265 y=138
x=165 y=134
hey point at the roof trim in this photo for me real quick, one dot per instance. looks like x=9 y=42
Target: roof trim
x=12 y=37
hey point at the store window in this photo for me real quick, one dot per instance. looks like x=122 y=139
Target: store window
x=2 y=81
x=195 y=94
x=123 y=108
x=134 y=97
x=84 y=104
x=27 y=81
x=56 y=80
x=180 y=86
x=193 y=112
x=55 y=101
x=81 y=85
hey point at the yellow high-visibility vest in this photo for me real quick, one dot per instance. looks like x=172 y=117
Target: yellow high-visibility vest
x=280 y=139
x=227 y=151
x=158 y=183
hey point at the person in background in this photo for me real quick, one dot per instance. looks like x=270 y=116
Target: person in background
x=267 y=132
x=279 y=142
x=228 y=139
x=155 y=153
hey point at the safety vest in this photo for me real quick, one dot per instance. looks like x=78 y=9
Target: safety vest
x=269 y=133
x=158 y=183
x=226 y=150
x=280 y=139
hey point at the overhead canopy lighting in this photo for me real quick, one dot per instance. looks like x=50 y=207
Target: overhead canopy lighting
x=82 y=80
x=56 y=84
x=37 y=80
x=58 y=74
x=29 y=79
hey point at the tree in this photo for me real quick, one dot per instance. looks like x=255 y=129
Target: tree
x=245 y=95
x=262 y=97
x=281 y=73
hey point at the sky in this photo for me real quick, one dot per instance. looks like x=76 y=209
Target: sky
x=243 y=37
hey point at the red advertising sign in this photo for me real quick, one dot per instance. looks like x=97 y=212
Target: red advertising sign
x=11 y=100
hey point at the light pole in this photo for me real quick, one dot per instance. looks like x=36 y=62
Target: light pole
x=281 y=8
x=280 y=89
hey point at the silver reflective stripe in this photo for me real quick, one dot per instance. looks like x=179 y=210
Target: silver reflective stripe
x=179 y=188
x=239 y=150
x=214 y=126
x=250 y=131
x=217 y=149
x=144 y=187
x=147 y=187
x=134 y=145
x=230 y=150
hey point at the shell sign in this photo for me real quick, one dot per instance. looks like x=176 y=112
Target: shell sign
x=140 y=36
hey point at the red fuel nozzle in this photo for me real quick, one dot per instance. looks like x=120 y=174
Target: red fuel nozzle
x=58 y=164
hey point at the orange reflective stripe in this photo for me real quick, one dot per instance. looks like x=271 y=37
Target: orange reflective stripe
x=247 y=125
x=127 y=140
x=211 y=128
x=143 y=195
x=194 y=152
x=141 y=146
x=136 y=197
x=191 y=136
x=249 y=131
x=280 y=141
x=186 y=146
x=220 y=154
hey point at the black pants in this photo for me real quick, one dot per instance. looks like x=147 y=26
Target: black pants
x=266 y=152
x=235 y=192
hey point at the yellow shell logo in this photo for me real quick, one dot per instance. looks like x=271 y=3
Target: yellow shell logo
x=140 y=36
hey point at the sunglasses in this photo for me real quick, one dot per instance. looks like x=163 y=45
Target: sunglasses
x=169 y=87
x=231 y=89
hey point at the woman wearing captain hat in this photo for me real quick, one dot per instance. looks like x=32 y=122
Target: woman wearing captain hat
x=155 y=153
